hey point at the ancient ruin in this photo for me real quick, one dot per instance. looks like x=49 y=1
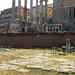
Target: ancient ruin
x=18 y=25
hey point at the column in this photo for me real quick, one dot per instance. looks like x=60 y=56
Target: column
x=53 y=28
x=68 y=45
x=41 y=12
x=58 y=28
x=31 y=9
x=36 y=10
x=13 y=9
x=46 y=11
x=46 y=28
x=25 y=10
x=19 y=9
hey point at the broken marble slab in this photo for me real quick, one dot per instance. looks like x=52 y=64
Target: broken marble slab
x=23 y=70
x=46 y=68
x=35 y=66
x=23 y=63
x=8 y=67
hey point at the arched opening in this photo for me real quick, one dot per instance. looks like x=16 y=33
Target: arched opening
x=23 y=30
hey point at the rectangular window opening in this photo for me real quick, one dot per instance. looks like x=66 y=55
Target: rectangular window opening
x=74 y=12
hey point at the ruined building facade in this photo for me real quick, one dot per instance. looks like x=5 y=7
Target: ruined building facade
x=24 y=25
x=64 y=13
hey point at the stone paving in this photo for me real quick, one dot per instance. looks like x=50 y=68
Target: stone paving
x=41 y=61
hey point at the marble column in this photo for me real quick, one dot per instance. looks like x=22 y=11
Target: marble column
x=53 y=29
x=45 y=11
x=13 y=9
x=19 y=9
x=41 y=12
x=31 y=10
x=36 y=10
x=46 y=28
x=25 y=10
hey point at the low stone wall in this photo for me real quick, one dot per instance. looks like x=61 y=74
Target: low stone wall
x=36 y=40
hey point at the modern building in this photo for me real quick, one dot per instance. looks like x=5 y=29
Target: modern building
x=49 y=12
x=64 y=13
x=7 y=14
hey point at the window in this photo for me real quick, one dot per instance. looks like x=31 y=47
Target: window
x=38 y=18
x=50 y=9
x=50 y=14
x=28 y=13
x=70 y=13
x=15 y=16
x=15 y=10
x=74 y=12
x=59 y=1
x=23 y=30
x=69 y=0
x=43 y=12
x=9 y=11
x=64 y=0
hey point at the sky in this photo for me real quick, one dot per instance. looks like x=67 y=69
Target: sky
x=4 y=4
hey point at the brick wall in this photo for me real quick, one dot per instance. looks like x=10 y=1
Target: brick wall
x=30 y=40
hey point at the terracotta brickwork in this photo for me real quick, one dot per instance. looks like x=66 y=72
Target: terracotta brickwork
x=33 y=40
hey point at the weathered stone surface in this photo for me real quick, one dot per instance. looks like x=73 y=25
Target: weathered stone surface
x=23 y=70
x=8 y=67
x=35 y=66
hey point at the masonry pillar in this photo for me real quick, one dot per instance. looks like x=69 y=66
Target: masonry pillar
x=41 y=12
x=46 y=11
x=25 y=10
x=36 y=10
x=31 y=10
x=13 y=9
x=53 y=28
x=19 y=9
x=46 y=28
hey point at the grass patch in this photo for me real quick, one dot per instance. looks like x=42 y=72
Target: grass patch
x=61 y=56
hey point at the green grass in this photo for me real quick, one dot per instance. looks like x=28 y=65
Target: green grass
x=0 y=62
x=62 y=56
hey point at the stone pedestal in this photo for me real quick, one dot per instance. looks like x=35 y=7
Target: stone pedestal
x=14 y=26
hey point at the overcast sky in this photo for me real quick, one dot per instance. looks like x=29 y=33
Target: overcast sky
x=4 y=4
